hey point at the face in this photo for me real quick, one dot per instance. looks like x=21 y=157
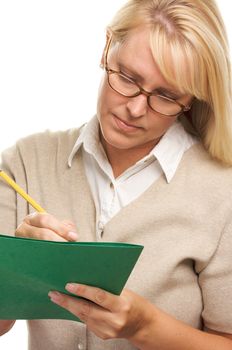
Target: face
x=129 y=124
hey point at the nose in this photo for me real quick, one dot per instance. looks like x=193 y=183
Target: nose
x=137 y=106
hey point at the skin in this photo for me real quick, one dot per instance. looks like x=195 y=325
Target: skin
x=129 y=130
x=125 y=145
x=5 y=326
x=47 y=227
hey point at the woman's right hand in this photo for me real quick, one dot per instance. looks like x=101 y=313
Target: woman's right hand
x=45 y=226
x=5 y=326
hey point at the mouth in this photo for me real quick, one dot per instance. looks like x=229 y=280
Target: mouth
x=125 y=126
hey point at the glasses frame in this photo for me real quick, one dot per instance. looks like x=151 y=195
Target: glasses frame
x=148 y=94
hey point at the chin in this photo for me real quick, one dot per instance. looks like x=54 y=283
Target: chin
x=119 y=142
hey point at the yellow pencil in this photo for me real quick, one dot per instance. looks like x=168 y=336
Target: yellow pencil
x=18 y=189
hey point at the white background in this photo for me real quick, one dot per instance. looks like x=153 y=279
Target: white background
x=50 y=52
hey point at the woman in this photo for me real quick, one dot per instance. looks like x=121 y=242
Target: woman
x=154 y=167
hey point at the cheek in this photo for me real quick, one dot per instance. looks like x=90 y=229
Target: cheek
x=101 y=93
x=103 y=98
x=167 y=122
x=159 y=125
x=108 y=100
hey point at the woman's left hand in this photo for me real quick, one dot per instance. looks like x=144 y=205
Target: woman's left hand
x=107 y=315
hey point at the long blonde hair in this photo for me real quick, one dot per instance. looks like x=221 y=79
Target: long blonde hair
x=192 y=35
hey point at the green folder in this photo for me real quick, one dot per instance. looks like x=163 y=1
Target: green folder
x=30 y=268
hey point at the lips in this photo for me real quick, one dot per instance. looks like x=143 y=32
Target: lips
x=125 y=126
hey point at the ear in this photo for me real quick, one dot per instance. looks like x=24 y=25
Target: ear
x=188 y=114
x=108 y=39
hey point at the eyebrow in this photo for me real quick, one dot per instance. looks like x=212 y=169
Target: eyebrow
x=137 y=76
x=130 y=71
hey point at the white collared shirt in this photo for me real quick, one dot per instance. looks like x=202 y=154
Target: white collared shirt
x=111 y=194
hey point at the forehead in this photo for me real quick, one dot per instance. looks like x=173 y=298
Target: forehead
x=136 y=52
x=136 y=56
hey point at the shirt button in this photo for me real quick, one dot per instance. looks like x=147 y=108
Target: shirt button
x=100 y=229
x=100 y=226
x=80 y=346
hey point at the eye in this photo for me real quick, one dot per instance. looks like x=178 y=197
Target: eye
x=165 y=94
x=126 y=79
x=165 y=99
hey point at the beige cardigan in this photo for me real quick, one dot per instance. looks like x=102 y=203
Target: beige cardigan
x=185 y=226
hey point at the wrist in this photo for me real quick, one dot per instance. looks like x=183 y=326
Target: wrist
x=145 y=328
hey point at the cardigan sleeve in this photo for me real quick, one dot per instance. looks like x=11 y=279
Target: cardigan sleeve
x=216 y=284
x=33 y=163
x=13 y=208
x=7 y=194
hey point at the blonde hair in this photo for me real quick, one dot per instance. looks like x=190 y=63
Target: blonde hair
x=191 y=35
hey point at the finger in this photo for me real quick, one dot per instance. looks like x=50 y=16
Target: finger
x=98 y=296
x=69 y=224
x=28 y=231
x=102 y=322
x=83 y=309
x=72 y=234
x=48 y=221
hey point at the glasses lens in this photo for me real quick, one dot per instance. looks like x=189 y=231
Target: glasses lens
x=164 y=105
x=122 y=84
x=127 y=87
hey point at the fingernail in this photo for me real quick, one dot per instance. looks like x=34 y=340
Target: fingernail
x=73 y=236
x=68 y=224
x=71 y=287
x=55 y=296
x=32 y=214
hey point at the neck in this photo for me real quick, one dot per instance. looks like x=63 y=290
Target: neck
x=122 y=159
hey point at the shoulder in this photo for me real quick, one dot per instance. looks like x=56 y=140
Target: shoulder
x=47 y=140
x=205 y=174
x=199 y=158
x=41 y=147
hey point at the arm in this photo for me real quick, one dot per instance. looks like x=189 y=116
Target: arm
x=5 y=326
x=132 y=317
x=34 y=226
x=14 y=208
x=165 y=332
x=7 y=226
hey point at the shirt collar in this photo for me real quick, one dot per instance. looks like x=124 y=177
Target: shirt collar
x=168 y=152
x=88 y=138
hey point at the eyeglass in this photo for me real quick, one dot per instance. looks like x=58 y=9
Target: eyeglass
x=127 y=87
